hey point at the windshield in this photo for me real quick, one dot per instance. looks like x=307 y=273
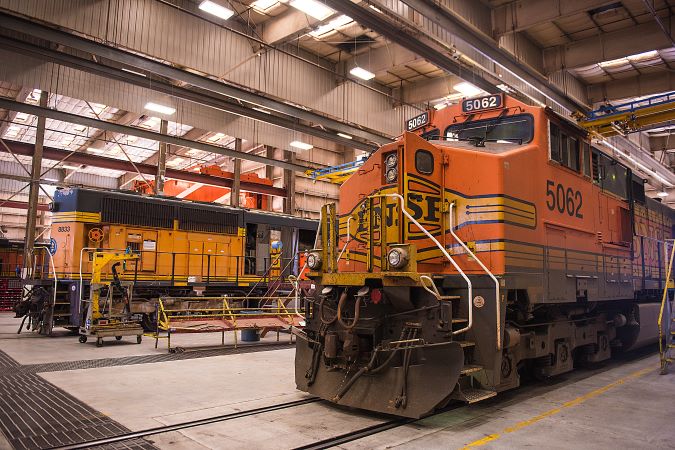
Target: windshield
x=518 y=129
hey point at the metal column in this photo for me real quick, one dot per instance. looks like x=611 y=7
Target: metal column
x=289 y=184
x=269 y=173
x=236 y=185
x=36 y=170
x=161 y=160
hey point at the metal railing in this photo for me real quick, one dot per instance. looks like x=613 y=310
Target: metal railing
x=665 y=336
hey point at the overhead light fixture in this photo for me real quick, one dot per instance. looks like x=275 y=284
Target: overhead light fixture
x=21 y=117
x=301 y=145
x=95 y=150
x=216 y=9
x=346 y=136
x=262 y=110
x=362 y=73
x=642 y=56
x=439 y=106
x=65 y=166
x=662 y=194
x=313 y=8
x=333 y=25
x=133 y=71
x=50 y=179
x=79 y=128
x=150 y=106
x=613 y=62
x=467 y=89
x=216 y=137
x=263 y=5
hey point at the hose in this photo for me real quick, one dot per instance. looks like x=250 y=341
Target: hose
x=324 y=321
x=357 y=311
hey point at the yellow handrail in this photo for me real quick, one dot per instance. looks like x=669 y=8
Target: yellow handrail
x=662 y=350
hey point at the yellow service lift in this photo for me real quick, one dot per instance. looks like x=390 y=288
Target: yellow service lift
x=107 y=311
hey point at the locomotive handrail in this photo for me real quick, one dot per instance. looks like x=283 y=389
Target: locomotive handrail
x=480 y=263
x=445 y=253
x=349 y=236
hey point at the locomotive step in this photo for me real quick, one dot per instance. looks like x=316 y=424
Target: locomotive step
x=473 y=395
x=460 y=320
x=470 y=368
x=465 y=344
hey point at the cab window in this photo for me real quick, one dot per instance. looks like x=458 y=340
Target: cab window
x=565 y=148
x=516 y=129
x=610 y=175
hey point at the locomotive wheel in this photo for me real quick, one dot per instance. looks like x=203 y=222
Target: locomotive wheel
x=82 y=339
x=118 y=338
x=139 y=339
x=99 y=342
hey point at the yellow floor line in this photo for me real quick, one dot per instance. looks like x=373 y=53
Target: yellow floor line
x=551 y=412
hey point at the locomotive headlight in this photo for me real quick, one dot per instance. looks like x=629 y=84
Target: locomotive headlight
x=397 y=258
x=391 y=161
x=314 y=261
x=391 y=175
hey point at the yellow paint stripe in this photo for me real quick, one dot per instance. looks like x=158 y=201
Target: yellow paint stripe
x=554 y=411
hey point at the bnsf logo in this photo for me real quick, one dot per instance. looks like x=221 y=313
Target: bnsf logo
x=425 y=208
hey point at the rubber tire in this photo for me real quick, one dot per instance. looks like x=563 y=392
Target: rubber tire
x=83 y=339
x=139 y=339
x=118 y=338
x=99 y=342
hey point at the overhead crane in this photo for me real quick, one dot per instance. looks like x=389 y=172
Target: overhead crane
x=611 y=120
x=336 y=174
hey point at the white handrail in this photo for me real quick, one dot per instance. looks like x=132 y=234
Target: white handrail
x=445 y=253
x=349 y=236
x=480 y=263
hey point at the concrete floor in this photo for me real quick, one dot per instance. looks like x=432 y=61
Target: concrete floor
x=623 y=403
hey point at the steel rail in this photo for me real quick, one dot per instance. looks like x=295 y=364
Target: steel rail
x=358 y=434
x=182 y=425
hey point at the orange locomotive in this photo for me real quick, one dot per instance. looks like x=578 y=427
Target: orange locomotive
x=493 y=240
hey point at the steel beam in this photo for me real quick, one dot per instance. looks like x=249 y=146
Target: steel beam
x=209 y=99
x=34 y=189
x=21 y=148
x=236 y=185
x=377 y=22
x=21 y=205
x=144 y=64
x=484 y=44
x=124 y=129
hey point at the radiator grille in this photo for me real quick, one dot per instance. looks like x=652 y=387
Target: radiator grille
x=137 y=212
x=207 y=220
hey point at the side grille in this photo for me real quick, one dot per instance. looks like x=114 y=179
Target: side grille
x=207 y=220
x=136 y=212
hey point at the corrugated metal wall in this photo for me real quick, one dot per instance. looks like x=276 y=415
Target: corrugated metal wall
x=158 y=30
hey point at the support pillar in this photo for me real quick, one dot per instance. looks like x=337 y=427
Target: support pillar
x=161 y=160
x=289 y=184
x=269 y=173
x=236 y=184
x=36 y=170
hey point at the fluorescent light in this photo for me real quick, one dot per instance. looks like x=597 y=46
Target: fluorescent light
x=362 y=73
x=160 y=108
x=21 y=117
x=263 y=5
x=333 y=25
x=134 y=72
x=313 y=8
x=644 y=55
x=216 y=137
x=467 y=89
x=95 y=150
x=65 y=166
x=216 y=9
x=50 y=179
x=613 y=62
x=79 y=128
x=346 y=136
x=262 y=110
x=439 y=106
x=662 y=194
x=301 y=145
